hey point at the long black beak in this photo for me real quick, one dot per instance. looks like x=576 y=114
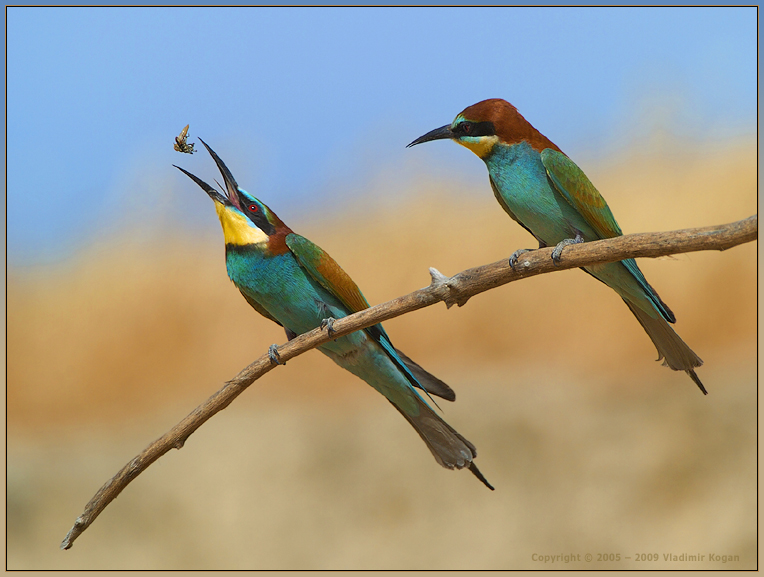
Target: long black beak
x=437 y=134
x=230 y=182
x=213 y=194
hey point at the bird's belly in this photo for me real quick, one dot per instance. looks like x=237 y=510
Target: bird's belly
x=281 y=287
x=521 y=182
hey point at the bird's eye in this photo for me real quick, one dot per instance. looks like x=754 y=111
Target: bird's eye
x=466 y=127
x=253 y=208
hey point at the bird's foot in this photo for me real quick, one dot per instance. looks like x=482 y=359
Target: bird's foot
x=328 y=324
x=273 y=355
x=517 y=253
x=557 y=252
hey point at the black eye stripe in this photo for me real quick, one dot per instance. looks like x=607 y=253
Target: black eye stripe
x=468 y=128
x=259 y=219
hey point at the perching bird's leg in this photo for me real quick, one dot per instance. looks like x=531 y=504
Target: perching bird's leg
x=517 y=253
x=328 y=324
x=557 y=252
x=273 y=355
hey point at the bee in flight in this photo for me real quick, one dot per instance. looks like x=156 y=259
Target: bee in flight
x=180 y=142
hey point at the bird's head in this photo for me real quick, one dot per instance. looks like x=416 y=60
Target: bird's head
x=482 y=126
x=245 y=219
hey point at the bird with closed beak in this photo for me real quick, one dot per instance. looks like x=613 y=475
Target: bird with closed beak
x=547 y=194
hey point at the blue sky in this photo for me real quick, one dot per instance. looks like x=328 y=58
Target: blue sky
x=307 y=104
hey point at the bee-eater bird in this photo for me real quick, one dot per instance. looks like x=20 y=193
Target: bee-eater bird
x=550 y=197
x=291 y=281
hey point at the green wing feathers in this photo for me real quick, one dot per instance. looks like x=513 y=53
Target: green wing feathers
x=325 y=270
x=571 y=182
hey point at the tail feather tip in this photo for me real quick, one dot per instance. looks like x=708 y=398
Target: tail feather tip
x=696 y=380
x=479 y=475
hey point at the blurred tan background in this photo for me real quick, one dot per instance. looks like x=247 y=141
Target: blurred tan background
x=592 y=446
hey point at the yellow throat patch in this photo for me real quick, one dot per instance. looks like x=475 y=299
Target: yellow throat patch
x=482 y=146
x=237 y=229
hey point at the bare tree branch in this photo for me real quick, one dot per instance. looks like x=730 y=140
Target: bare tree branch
x=454 y=290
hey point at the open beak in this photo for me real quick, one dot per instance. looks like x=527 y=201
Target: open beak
x=438 y=134
x=213 y=194
x=232 y=189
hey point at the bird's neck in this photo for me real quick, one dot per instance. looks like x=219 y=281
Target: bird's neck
x=503 y=154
